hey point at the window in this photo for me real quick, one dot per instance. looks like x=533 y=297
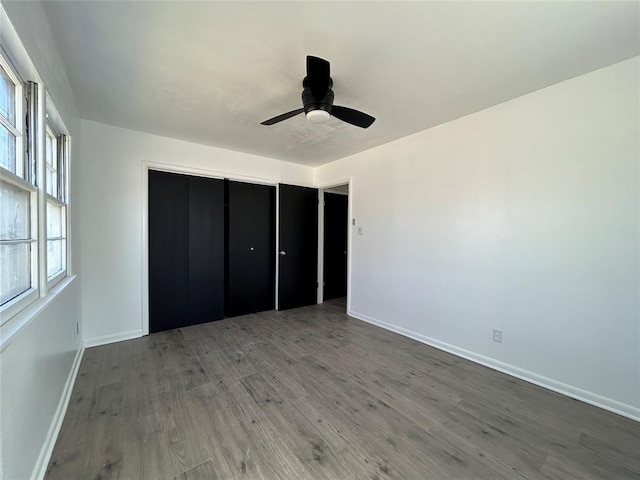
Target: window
x=51 y=156
x=18 y=198
x=55 y=154
x=11 y=158
x=16 y=241
x=9 y=133
x=33 y=192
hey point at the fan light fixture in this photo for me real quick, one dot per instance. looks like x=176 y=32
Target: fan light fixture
x=318 y=116
x=317 y=99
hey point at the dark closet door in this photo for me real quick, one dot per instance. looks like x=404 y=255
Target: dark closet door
x=250 y=248
x=206 y=249
x=186 y=250
x=335 y=245
x=168 y=251
x=298 y=255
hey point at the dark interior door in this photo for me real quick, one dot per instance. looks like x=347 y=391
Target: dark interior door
x=206 y=249
x=168 y=251
x=335 y=245
x=298 y=255
x=186 y=250
x=250 y=260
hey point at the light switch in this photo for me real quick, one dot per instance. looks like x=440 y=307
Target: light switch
x=360 y=231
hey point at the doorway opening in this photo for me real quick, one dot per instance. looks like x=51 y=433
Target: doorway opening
x=335 y=243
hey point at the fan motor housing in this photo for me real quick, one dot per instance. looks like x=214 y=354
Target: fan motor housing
x=311 y=102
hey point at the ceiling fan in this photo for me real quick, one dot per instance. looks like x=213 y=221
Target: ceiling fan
x=317 y=99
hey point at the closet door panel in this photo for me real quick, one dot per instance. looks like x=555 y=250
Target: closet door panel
x=206 y=249
x=168 y=251
x=239 y=231
x=298 y=256
x=250 y=248
x=264 y=240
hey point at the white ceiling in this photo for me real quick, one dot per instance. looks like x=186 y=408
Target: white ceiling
x=210 y=72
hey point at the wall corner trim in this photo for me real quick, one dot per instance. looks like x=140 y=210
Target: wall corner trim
x=56 y=423
x=571 y=391
x=117 y=337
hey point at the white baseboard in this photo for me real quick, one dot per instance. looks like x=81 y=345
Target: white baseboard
x=591 y=398
x=56 y=423
x=106 y=339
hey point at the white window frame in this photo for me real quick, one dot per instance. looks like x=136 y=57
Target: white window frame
x=20 y=179
x=56 y=128
x=50 y=133
x=60 y=274
x=18 y=129
x=21 y=301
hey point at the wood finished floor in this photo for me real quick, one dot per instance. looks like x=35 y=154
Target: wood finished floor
x=313 y=394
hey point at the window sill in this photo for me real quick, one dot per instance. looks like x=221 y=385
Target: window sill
x=14 y=306
x=10 y=330
x=52 y=282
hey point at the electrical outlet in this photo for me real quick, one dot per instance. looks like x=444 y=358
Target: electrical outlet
x=497 y=335
x=353 y=222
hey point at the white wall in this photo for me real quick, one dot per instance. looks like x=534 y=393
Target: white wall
x=36 y=365
x=522 y=217
x=112 y=199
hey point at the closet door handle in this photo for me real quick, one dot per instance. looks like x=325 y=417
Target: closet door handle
x=282 y=253
x=251 y=248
